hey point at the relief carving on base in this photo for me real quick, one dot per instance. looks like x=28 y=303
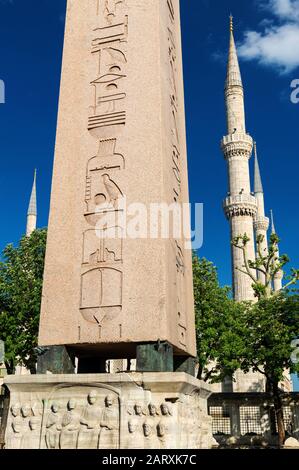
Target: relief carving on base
x=24 y=429
x=151 y=426
x=93 y=415
x=73 y=417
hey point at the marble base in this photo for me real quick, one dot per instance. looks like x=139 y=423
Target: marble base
x=108 y=411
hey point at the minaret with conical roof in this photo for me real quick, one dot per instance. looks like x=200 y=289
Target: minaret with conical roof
x=32 y=210
x=261 y=222
x=240 y=206
x=277 y=284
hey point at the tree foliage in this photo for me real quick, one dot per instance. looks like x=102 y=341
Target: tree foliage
x=217 y=316
x=251 y=336
x=21 y=277
x=272 y=323
x=268 y=263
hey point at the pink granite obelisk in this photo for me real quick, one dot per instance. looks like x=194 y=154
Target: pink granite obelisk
x=120 y=136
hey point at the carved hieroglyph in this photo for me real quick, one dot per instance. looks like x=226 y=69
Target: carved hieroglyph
x=128 y=411
x=120 y=141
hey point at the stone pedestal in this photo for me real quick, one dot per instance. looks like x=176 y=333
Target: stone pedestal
x=108 y=411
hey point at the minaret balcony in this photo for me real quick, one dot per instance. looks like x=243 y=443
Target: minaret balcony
x=261 y=224
x=239 y=144
x=240 y=205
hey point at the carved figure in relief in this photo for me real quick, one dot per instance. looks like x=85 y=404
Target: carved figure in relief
x=150 y=437
x=139 y=410
x=164 y=435
x=165 y=409
x=37 y=409
x=132 y=426
x=15 y=439
x=104 y=196
x=153 y=411
x=34 y=424
x=53 y=427
x=109 y=434
x=165 y=427
x=26 y=410
x=70 y=426
x=32 y=416
x=90 y=423
x=34 y=433
x=135 y=440
x=26 y=414
x=112 y=190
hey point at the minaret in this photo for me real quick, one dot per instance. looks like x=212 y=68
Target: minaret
x=240 y=206
x=278 y=276
x=261 y=223
x=32 y=210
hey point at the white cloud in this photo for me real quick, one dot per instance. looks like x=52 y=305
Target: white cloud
x=285 y=9
x=278 y=44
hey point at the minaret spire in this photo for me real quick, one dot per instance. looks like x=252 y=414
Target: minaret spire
x=258 y=186
x=261 y=222
x=277 y=284
x=273 y=231
x=234 y=88
x=240 y=206
x=32 y=209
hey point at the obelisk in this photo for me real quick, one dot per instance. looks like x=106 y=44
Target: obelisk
x=120 y=136
x=120 y=144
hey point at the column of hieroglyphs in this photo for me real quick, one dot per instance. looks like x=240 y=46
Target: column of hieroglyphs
x=102 y=242
x=176 y=156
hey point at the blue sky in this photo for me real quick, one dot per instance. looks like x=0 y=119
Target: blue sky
x=31 y=38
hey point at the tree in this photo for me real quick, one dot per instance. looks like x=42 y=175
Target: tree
x=269 y=264
x=21 y=277
x=272 y=323
x=218 y=326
